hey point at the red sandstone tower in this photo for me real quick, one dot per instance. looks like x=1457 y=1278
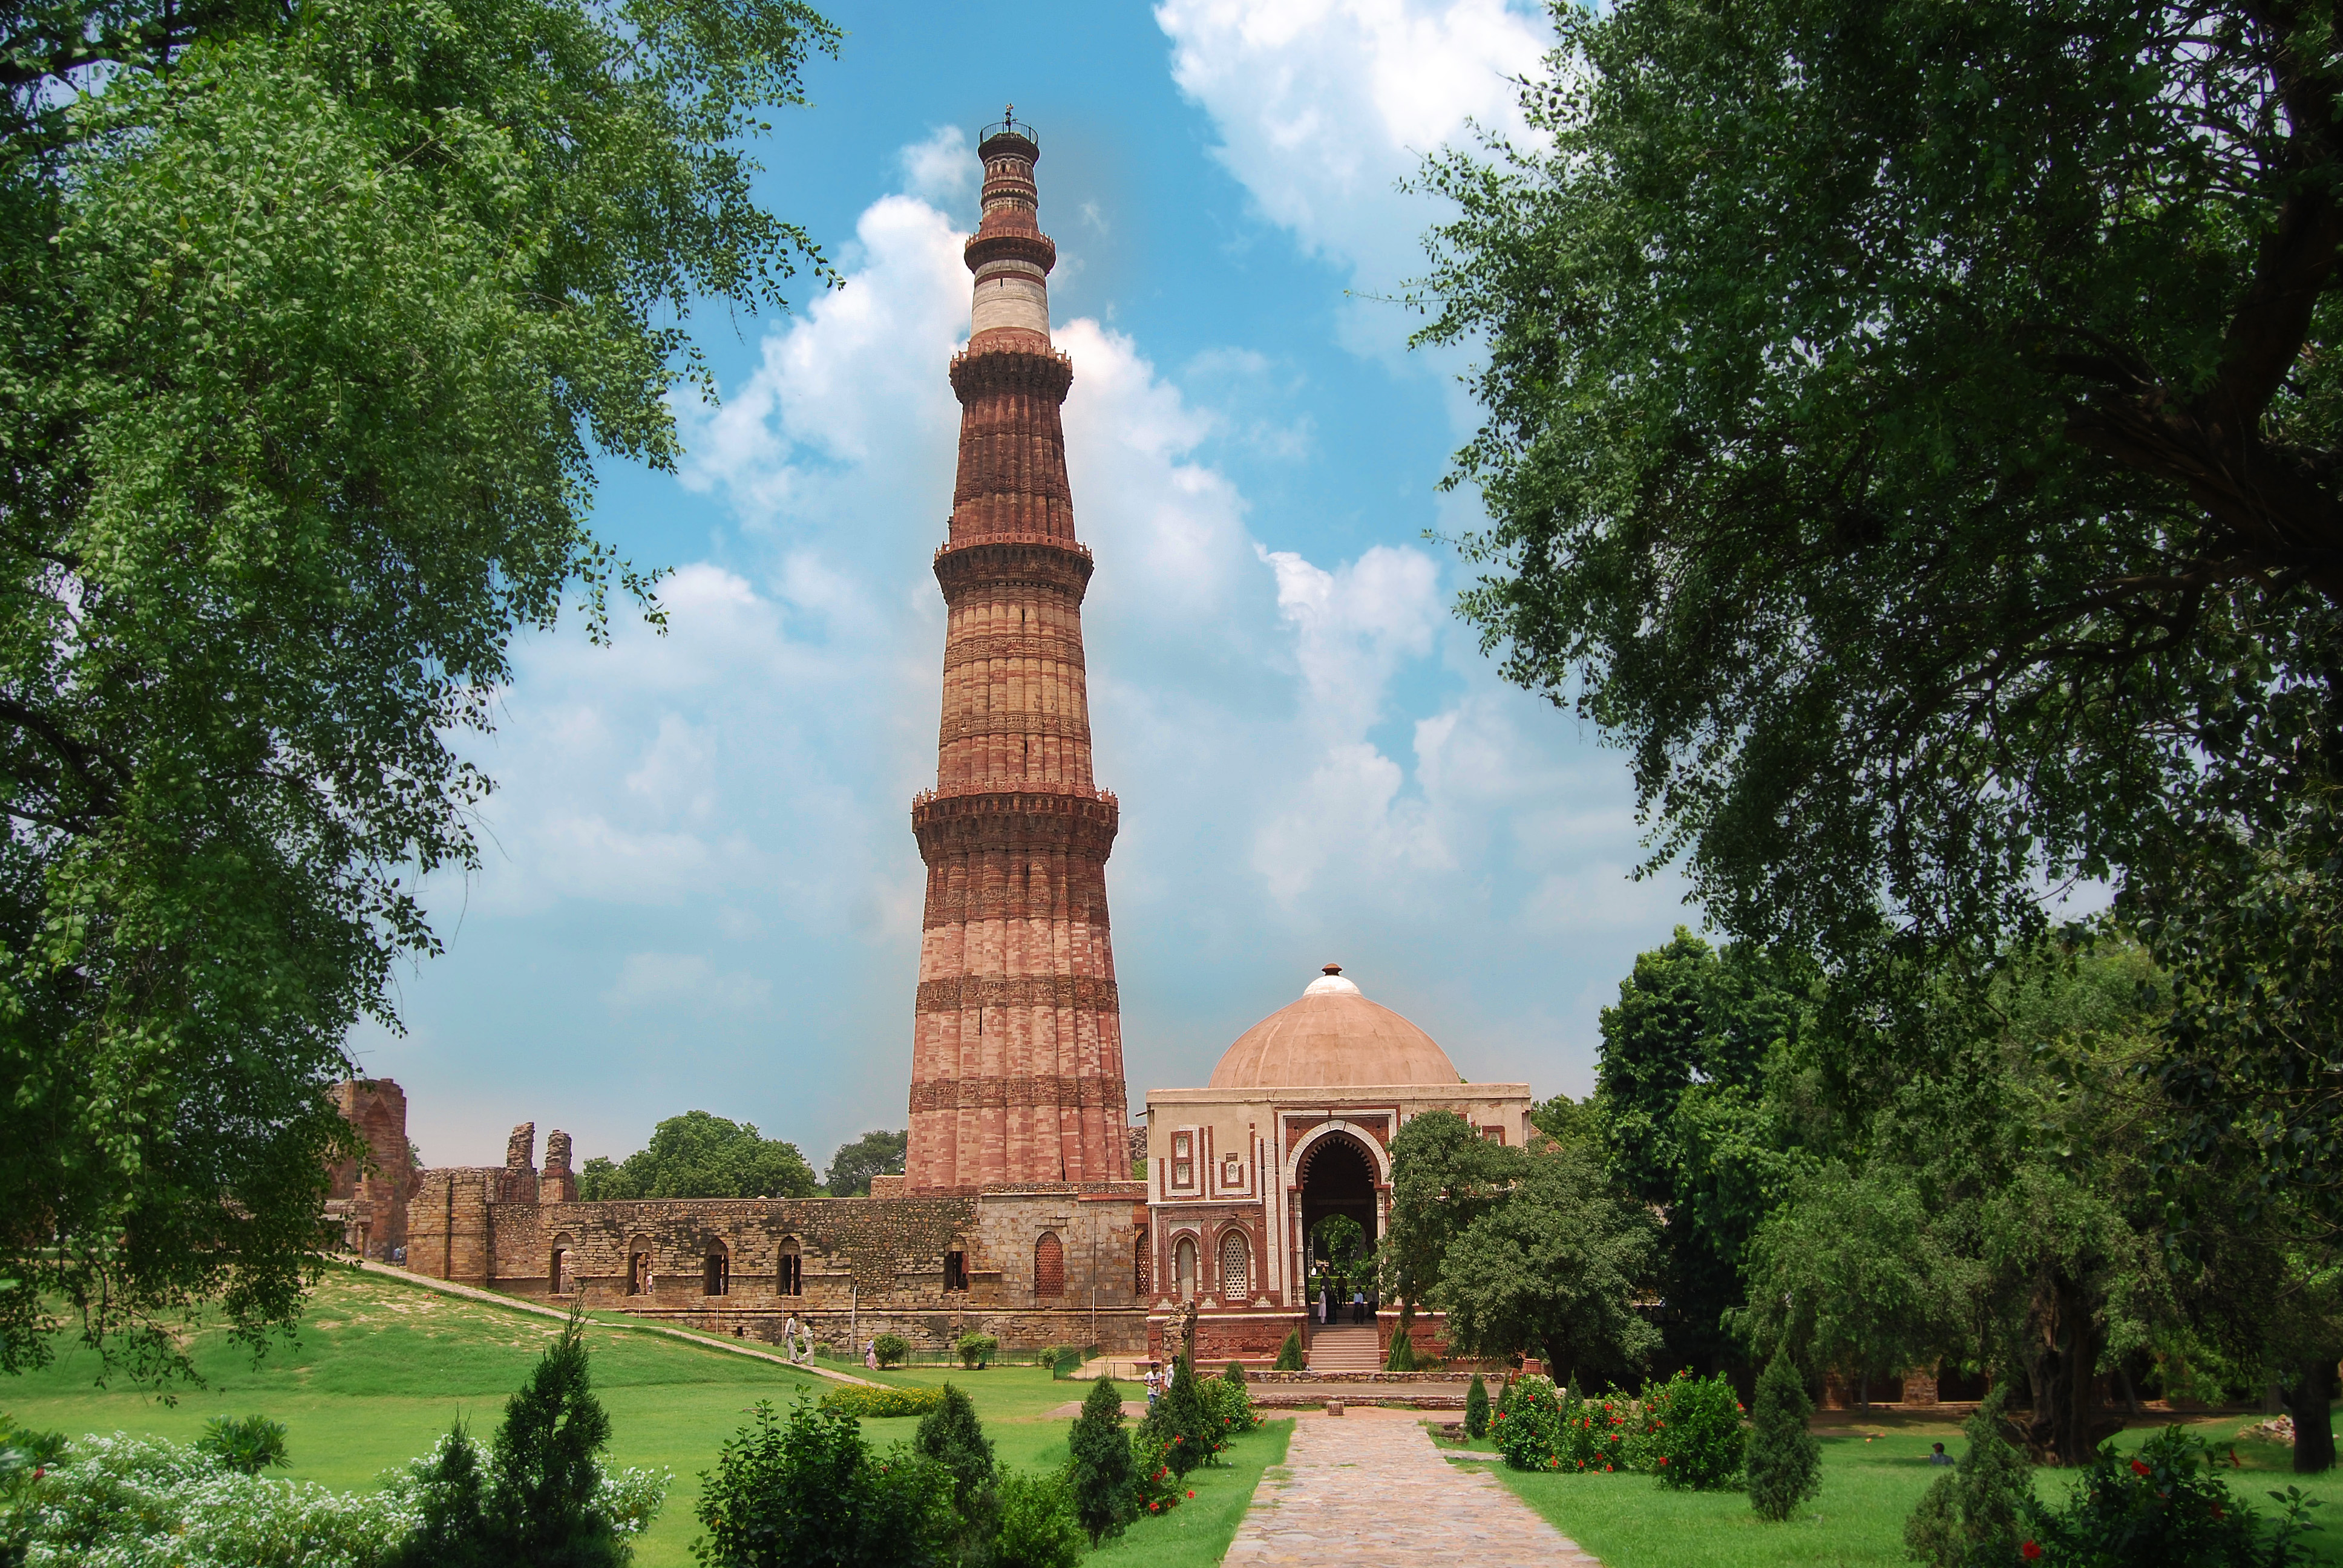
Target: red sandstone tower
x=1017 y=1053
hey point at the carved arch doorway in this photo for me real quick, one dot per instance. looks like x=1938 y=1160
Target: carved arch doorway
x=1337 y=1177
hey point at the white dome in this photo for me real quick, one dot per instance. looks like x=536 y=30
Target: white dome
x=1331 y=1038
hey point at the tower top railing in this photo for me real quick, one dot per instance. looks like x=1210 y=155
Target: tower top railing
x=1009 y=125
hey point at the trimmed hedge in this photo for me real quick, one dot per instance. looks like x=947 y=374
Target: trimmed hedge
x=869 y=1404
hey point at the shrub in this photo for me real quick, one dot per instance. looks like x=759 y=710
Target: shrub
x=975 y=1350
x=1038 y=1527
x=142 y=1502
x=1236 y=1373
x=1100 y=1474
x=1402 y=1355
x=1976 y=1515
x=1289 y=1355
x=1527 y=1424
x=1156 y=1486
x=1180 y=1425
x=890 y=1350
x=546 y=1501
x=2164 y=1504
x=1230 y=1408
x=867 y=1403
x=953 y=1438
x=246 y=1445
x=1693 y=1433
x=1783 y=1461
x=1598 y=1435
x=1476 y=1409
x=806 y=1489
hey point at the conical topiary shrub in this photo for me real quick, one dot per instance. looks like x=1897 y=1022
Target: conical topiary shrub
x=1976 y=1513
x=1289 y=1355
x=1101 y=1472
x=1783 y=1461
x=1476 y=1409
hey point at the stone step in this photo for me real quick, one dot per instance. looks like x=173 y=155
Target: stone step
x=1353 y=1349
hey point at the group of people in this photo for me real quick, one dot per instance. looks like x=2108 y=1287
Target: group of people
x=1330 y=1306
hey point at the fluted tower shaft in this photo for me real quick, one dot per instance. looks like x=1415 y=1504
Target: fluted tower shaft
x=1017 y=1050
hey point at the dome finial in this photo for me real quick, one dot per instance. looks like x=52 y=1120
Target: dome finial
x=1331 y=969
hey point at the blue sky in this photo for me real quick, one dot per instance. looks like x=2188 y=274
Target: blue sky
x=701 y=889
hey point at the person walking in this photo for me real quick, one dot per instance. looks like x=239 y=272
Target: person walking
x=870 y=1355
x=1154 y=1383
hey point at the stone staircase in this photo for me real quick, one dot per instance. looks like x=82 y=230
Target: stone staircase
x=1351 y=1348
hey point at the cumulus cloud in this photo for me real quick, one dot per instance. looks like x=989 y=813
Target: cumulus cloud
x=1323 y=105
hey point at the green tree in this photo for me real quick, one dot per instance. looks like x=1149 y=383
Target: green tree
x=1444 y=1175
x=545 y=1461
x=1476 y=1408
x=951 y=1438
x=697 y=1155
x=1911 y=435
x=1685 y=1121
x=1555 y=1268
x=317 y=319
x=872 y=1154
x=1100 y=1469
x=1847 y=1270
x=1785 y=1460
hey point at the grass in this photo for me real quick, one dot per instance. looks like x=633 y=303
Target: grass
x=383 y=1367
x=1873 y=1474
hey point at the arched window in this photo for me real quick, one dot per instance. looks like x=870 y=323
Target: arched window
x=1048 y=1265
x=639 y=1266
x=790 y=1277
x=1138 y=1265
x=1236 y=1270
x=560 y=1273
x=715 y=1278
x=1183 y=1267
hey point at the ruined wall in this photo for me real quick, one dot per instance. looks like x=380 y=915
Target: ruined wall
x=861 y=1266
x=369 y=1196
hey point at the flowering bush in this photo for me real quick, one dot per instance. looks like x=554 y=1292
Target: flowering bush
x=1156 y=1486
x=2164 y=1504
x=124 y=1502
x=1527 y=1423
x=1230 y=1406
x=1599 y=1434
x=1691 y=1433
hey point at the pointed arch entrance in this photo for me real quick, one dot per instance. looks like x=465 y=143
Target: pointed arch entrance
x=1338 y=1177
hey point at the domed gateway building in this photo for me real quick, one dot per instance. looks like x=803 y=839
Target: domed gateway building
x=1294 y=1127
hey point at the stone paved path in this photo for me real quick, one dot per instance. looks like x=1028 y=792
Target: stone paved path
x=1369 y=1488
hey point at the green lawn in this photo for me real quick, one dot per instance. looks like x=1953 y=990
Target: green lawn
x=1871 y=1476
x=383 y=1367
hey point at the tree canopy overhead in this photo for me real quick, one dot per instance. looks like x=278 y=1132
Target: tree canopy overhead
x=1911 y=433
x=1873 y=390
x=312 y=320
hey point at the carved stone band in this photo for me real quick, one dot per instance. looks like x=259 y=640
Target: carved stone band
x=980 y=1093
x=1085 y=992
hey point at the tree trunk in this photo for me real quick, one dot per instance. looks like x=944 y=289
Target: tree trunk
x=2061 y=1364
x=2314 y=1425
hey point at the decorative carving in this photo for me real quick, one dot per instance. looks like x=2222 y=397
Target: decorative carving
x=962 y=991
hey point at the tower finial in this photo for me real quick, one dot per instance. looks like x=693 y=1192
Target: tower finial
x=1008 y=114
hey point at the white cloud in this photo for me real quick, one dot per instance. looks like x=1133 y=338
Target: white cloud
x=941 y=170
x=1323 y=105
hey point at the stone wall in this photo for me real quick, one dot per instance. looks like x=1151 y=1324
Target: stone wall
x=369 y=1196
x=860 y=1266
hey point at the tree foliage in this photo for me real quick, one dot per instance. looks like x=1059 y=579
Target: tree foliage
x=698 y=1155
x=1100 y=1469
x=804 y=1491
x=1785 y=1460
x=315 y=318
x=1556 y=1268
x=1911 y=435
x=1974 y=1516
x=872 y=1154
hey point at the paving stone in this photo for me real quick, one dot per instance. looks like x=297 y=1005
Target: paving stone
x=1370 y=1488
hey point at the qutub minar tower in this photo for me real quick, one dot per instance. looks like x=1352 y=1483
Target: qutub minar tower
x=1017 y=1051
x=1020 y=1214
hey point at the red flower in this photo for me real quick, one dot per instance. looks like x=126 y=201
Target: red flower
x=1155 y=1508
x=2030 y=1550
x=2137 y=1468
x=1191 y=1494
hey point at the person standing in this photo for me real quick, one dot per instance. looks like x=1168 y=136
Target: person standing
x=870 y=1355
x=1358 y=1306
x=1154 y=1383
